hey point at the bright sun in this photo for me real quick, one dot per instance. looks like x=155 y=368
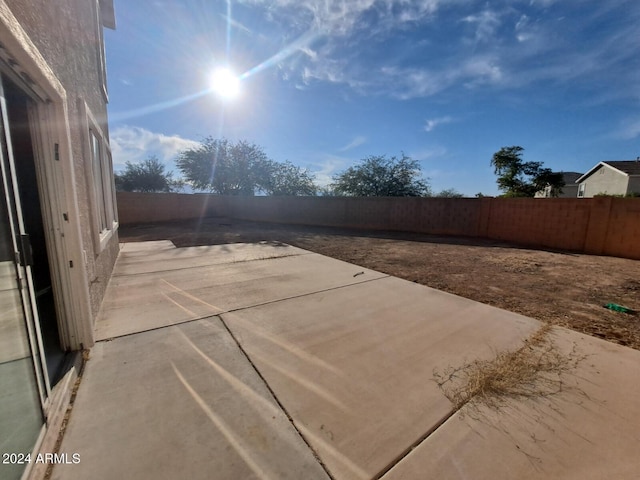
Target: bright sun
x=225 y=83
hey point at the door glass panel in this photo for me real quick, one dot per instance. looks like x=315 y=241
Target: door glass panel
x=20 y=411
x=20 y=395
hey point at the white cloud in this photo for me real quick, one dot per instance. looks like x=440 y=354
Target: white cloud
x=408 y=83
x=487 y=22
x=309 y=52
x=336 y=22
x=514 y=44
x=356 y=142
x=328 y=73
x=544 y=3
x=134 y=144
x=342 y=17
x=431 y=153
x=340 y=21
x=434 y=122
x=522 y=29
x=481 y=70
x=237 y=25
x=326 y=166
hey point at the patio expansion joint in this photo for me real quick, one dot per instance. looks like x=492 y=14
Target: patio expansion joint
x=117 y=274
x=129 y=334
x=277 y=400
x=414 y=445
x=239 y=309
x=302 y=295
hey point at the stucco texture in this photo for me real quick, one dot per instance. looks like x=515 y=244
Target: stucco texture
x=606 y=180
x=67 y=35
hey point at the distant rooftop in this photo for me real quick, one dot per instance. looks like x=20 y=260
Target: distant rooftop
x=630 y=167
x=570 y=177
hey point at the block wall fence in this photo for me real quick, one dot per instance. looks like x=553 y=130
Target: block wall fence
x=600 y=226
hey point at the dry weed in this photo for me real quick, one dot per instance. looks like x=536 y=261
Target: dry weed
x=533 y=371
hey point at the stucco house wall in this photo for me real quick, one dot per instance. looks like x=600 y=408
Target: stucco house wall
x=611 y=177
x=58 y=218
x=68 y=35
x=605 y=180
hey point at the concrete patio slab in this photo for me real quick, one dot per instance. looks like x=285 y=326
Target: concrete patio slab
x=590 y=431
x=308 y=367
x=180 y=402
x=144 y=248
x=144 y=301
x=353 y=367
x=164 y=259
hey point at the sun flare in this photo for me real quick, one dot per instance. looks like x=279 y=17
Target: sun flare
x=225 y=83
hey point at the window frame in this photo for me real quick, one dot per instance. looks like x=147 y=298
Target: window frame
x=100 y=180
x=101 y=53
x=581 y=190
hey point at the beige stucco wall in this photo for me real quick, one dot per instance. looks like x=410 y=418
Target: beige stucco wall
x=605 y=180
x=65 y=33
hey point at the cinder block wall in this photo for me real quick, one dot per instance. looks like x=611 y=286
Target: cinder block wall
x=600 y=226
x=554 y=222
x=456 y=216
x=622 y=238
x=134 y=208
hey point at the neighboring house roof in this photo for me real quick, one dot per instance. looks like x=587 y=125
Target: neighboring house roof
x=570 y=177
x=626 y=167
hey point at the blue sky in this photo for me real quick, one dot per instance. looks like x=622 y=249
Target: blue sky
x=328 y=82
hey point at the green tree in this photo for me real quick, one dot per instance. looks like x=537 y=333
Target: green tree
x=147 y=176
x=223 y=167
x=379 y=176
x=326 y=191
x=449 y=193
x=517 y=178
x=241 y=168
x=288 y=179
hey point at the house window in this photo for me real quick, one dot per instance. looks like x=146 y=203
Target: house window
x=97 y=165
x=581 y=188
x=101 y=186
x=102 y=66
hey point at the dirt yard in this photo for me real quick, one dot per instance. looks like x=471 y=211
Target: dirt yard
x=557 y=287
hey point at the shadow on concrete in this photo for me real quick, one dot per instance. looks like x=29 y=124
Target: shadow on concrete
x=223 y=230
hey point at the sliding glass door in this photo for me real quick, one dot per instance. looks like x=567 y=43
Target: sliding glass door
x=24 y=386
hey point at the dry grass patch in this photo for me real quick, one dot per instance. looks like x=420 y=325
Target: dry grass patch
x=536 y=370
